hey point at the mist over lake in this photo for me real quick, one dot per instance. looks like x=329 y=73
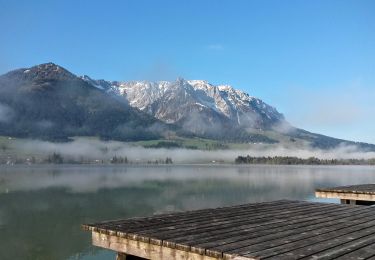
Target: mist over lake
x=42 y=207
x=111 y=110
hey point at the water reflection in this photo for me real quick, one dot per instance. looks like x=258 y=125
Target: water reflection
x=42 y=207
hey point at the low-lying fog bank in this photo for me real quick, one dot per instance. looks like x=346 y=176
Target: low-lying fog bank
x=97 y=150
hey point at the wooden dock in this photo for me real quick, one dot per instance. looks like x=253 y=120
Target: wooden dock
x=271 y=230
x=355 y=194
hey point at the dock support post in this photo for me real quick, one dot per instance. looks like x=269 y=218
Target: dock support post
x=348 y=202
x=345 y=201
x=122 y=256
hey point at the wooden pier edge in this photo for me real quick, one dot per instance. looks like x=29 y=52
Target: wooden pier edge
x=149 y=251
x=278 y=230
x=344 y=195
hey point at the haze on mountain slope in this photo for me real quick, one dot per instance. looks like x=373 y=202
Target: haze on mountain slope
x=47 y=101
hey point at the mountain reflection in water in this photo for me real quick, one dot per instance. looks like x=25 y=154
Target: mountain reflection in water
x=42 y=207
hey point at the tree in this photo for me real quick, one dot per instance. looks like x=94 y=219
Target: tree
x=168 y=160
x=4 y=147
x=55 y=158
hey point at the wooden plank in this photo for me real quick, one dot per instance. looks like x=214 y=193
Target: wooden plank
x=148 y=251
x=157 y=237
x=186 y=246
x=361 y=188
x=357 y=249
x=160 y=221
x=229 y=214
x=364 y=192
x=363 y=253
x=317 y=229
x=290 y=245
x=262 y=240
x=314 y=249
x=346 y=196
x=199 y=212
x=208 y=239
x=223 y=223
x=136 y=224
x=370 y=258
x=213 y=246
x=279 y=230
x=137 y=235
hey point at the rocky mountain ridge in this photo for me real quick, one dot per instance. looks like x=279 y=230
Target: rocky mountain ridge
x=194 y=102
x=49 y=102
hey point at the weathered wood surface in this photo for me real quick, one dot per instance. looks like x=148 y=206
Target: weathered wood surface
x=363 y=192
x=274 y=230
x=361 y=188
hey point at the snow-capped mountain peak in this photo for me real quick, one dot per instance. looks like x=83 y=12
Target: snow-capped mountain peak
x=182 y=101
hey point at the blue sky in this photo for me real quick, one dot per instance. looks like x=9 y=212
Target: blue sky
x=313 y=60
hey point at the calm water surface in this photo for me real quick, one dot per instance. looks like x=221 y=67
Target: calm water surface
x=42 y=207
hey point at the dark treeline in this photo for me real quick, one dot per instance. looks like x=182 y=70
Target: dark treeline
x=57 y=158
x=289 y=160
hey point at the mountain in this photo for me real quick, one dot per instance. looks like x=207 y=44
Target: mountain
x=219 y=112
x=198 y=106
x=181 y=101
x=47 y=101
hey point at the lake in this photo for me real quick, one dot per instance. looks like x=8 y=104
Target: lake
x=42 y=207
